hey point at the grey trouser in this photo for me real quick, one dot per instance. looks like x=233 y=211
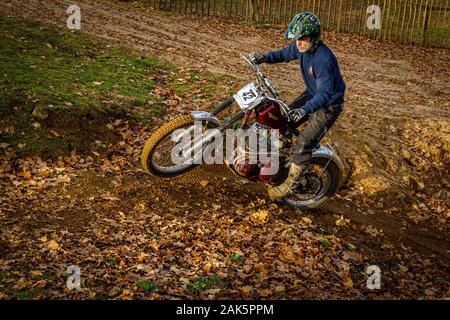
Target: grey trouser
x=317 y=125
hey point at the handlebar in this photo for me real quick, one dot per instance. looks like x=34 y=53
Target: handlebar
x=261 y=78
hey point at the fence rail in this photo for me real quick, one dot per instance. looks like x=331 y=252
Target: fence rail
x=425 y=22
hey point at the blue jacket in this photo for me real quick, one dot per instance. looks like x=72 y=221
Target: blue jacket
x=320 y=71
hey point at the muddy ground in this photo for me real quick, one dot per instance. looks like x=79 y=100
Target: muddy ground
x=121 y=225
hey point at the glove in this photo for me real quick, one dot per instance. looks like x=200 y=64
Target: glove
x=257 y=57
x=297 y=114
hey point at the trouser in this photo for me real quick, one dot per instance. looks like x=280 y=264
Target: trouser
x=318 y=123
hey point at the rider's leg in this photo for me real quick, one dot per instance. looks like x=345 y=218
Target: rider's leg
x=294 y=170
x=317 y=125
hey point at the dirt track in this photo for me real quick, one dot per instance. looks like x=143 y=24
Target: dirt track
x=395 y=129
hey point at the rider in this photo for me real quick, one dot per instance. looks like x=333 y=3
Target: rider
x=323 y=99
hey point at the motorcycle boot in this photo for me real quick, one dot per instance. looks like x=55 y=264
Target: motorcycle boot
x=288 y=185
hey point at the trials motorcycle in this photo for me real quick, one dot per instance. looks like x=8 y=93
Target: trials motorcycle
x=260 y=108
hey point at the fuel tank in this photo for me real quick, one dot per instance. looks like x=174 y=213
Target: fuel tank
x=270 y=116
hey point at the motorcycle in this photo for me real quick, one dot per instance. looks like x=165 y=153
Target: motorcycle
x=260 y=108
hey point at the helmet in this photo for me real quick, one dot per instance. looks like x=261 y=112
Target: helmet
x=303 y=24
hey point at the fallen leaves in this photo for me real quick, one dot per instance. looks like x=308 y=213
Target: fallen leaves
x=154 y=245
x=53 y=245
x=245 y=292
x=260 y=217
x=280 y=250
x=203 y=183
x=148 y=269
x=374 y=232
x=265 y=293
x=347 y=282
x=63 y=179
x=342 y=222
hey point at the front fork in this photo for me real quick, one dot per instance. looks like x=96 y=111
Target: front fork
x=204 y=116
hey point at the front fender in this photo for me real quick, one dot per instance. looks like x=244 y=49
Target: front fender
x=205 y=116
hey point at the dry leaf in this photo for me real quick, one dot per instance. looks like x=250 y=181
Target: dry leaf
x=245 y=292
x=260 y=217
x=342 y=222
x=154 y=245
x=265 y=293
x=53 y=245
x=348 y=282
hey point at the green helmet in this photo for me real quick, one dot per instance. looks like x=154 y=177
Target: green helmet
x=303 y=24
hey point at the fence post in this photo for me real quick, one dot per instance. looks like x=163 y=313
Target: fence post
x=388 y=13
x=408 y=24
x=403 y=19
x=291 y=11
x=351 y=19
x=339 y=16
x=427 y=27
x=411 y=31
x=270 y=10
x=425 y=23
x=444 y=28
x=328 y=15
x=346 y=23
x=382 y=16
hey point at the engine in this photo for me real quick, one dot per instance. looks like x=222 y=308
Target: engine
x=255 y=157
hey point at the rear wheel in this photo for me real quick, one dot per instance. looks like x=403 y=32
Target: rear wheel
x=316 y=185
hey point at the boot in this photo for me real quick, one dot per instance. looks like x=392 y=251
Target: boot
x=288 y=185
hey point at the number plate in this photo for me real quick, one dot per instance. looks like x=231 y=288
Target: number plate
x=248 y=97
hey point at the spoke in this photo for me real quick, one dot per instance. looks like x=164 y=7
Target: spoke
x=162 y=157
x=316 y=182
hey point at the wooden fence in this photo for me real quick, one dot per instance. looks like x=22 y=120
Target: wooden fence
x=411 y=21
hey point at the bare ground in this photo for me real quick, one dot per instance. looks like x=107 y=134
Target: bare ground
x=395 y=131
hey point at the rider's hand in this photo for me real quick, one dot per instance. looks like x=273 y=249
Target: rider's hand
x=257 y=57
x=297 y=114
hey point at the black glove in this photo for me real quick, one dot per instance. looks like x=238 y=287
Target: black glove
x=297 y=114
x=258 y=57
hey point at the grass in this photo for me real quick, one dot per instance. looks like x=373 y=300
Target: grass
x=9 y=279
x=27 y=294
x=111 y=261
x=146 y=285
x=81 y=82
x=236 y=259
x=203 y=283
x=325 y=243
x=72 y=78
x=68 y=71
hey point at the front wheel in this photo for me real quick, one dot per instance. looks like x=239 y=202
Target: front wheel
x=156 y=155
x=317 y=184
